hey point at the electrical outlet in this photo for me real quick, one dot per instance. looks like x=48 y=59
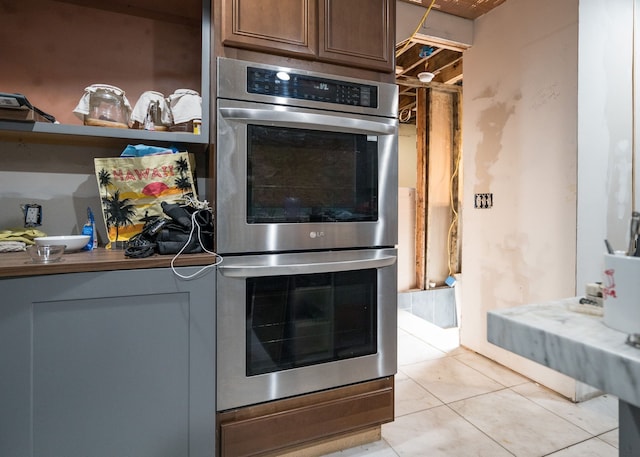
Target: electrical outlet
x=32 y=214
x=483 y=201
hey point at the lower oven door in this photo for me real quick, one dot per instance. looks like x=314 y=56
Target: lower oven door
x=296 y=323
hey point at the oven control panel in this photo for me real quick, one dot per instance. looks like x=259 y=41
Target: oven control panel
x=304 y=87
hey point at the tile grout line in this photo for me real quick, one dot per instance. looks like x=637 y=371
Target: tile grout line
x=575 y=444
x=504 y=388
x=476 y=427
x=511 y=387
x=527 y=380
x=591 y=436
x=559 y=416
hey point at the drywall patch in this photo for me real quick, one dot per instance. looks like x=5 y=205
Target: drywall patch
x=507 y=280
x=488 y=93
x=545 y=95
x=491 y=123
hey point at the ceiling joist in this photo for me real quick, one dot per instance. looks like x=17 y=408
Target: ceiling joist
x=435 y=55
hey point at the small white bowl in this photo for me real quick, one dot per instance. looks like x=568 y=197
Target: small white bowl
x=71 y=242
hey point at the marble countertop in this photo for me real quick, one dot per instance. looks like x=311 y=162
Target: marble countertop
x=576 y=344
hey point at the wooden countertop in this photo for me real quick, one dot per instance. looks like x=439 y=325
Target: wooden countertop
x=13 y=264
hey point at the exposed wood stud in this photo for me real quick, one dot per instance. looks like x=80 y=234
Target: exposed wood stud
x=422 y=128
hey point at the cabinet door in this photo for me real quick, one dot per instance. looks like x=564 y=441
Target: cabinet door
x=107 y=364
x=358 y=33
x=280 y=26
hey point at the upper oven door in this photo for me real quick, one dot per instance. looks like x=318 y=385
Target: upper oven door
x=291 y=178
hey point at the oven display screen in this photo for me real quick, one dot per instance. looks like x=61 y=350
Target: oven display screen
x=292 y=85
x=298 y=176
x=300 y=320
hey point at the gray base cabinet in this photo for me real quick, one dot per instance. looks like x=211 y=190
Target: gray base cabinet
x=118 y=363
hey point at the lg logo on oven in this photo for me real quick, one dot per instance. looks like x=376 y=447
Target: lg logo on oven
x=316 y=234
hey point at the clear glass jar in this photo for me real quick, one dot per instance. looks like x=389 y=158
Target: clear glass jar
x=108 y=107
x=151 y=112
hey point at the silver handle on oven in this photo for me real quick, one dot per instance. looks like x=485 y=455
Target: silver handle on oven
x=299 y=119
x=252 y=271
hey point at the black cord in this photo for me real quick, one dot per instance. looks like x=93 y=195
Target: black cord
x=141 y=251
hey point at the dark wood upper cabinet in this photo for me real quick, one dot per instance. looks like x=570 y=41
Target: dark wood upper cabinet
x=357 y=33
x=288 y=26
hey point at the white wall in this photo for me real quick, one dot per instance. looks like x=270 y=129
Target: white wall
x=407 y=177
x=406 y=239
x=407 y=156
x=605 y=132
x=60 y=178
x=520 y=143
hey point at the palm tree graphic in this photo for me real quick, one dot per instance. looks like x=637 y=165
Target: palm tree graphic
x=119 y=213
x=182 y=165
x=104 y=177
x=183 y=182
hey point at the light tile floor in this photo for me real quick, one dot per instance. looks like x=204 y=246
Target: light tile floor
x=452 y=402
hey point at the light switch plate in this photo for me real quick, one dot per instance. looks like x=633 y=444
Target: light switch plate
x=483 y=201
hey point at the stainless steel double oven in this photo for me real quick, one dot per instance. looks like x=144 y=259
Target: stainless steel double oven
x=306 y=219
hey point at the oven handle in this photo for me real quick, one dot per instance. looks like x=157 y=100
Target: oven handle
x=253 y=271
x=307 y=120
